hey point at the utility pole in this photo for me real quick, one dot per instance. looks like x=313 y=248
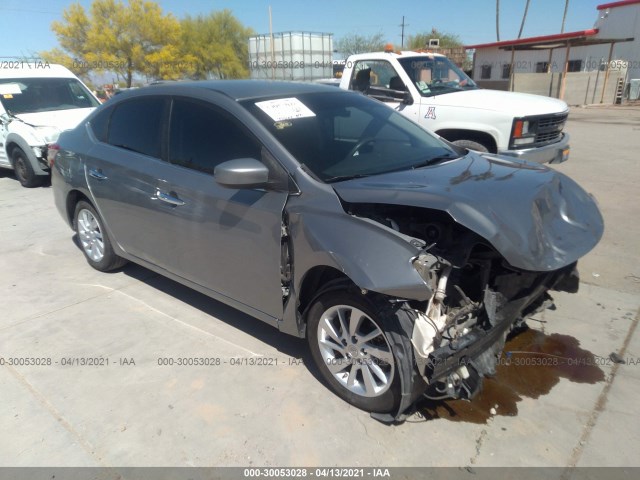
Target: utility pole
x=273 y=57
x=402 y=36
x=564 y=17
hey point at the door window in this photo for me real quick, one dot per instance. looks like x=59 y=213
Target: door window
x=136 y=125
x=201 y=137
x=375 y=73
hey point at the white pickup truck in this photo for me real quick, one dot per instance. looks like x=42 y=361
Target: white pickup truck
x=433 y=91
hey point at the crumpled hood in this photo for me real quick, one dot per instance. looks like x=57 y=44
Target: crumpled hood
x=60 y=119
x=514 y=103
x=537 y=218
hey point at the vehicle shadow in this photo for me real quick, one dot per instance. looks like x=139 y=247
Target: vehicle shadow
x=531 y=365
x=286 y=344
x=5 y=173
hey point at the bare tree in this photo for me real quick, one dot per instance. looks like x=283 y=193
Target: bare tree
x=498 y=20
x=564 y=17
x=354 y=43
x=524 y=17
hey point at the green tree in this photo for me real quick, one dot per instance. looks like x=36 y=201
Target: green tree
x=354 y=43
x=421 y=40
x=124 y=38
x=218 y=45
x=72 y=35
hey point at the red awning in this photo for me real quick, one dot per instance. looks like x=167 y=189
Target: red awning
x=621 y=3
x=540 y=40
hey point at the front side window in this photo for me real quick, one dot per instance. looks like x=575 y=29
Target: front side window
x=136 y=125
x=338 y=136
x=32 y=95
x=435 y=75
x=201 y=137
x=374 y=73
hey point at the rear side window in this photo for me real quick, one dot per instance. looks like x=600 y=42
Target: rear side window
x=201 y=137
x=100 y=124
x=136 y=125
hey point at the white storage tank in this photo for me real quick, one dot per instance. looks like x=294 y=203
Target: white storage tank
x=300 y=56
x=634 y=89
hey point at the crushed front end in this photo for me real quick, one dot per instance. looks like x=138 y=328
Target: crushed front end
x=478 y=298
x=459 y=338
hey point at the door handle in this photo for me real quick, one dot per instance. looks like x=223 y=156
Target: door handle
x=97 y=174
x=165 y=197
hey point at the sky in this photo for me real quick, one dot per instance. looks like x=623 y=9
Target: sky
x=25 y=24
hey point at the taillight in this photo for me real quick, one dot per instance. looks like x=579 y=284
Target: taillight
x=52 y=152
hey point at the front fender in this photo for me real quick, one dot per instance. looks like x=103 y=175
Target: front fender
x=373 y=256
x=18 y=140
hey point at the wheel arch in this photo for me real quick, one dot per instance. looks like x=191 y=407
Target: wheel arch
x=484 y=138
x=14 y=141
x=72 y=200
x=316 y=282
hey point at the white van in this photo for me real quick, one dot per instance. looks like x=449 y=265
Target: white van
x=37 y=102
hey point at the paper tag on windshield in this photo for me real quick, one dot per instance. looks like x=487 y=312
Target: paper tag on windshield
x=285 y=109
x=10 y=89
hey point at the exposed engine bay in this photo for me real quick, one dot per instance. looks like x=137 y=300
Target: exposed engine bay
x=477 y=299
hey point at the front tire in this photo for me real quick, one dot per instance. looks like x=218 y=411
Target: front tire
x=94 y=240
x=471 y=145
x=24 y=171
x=347 y=336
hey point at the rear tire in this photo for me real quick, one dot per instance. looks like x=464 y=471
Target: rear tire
x=94 y=240
x=471 y=145
x=24 y=171
x=348 y=339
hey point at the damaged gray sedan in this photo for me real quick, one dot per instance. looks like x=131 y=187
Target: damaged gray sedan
x=403 y=260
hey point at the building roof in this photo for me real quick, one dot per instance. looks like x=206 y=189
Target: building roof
x=572 y=37
x=621 y=3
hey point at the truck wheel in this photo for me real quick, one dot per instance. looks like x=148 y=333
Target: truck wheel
x=471 y=145
x=347 y=336
x=24 y=171
x=94 y=240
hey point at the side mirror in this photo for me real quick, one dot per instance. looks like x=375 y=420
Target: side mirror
x=241 y=173
x=407 y=99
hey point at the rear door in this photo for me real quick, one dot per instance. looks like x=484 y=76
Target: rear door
x=123 y=171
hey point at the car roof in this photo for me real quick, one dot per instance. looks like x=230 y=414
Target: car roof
x=36 y=70
x=247 y=89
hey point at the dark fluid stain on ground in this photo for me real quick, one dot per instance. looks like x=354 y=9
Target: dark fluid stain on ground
x=531 y=364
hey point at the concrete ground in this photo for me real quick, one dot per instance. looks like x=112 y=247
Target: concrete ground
x=581 y=411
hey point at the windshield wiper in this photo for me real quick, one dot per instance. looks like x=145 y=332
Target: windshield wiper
x=434 y=160
x=341 y=178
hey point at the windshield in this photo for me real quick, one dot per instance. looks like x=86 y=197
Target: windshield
x=30 y=95
x=338 y=136
x=434 y=75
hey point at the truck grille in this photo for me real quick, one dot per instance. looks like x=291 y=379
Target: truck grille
x=550 y=129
